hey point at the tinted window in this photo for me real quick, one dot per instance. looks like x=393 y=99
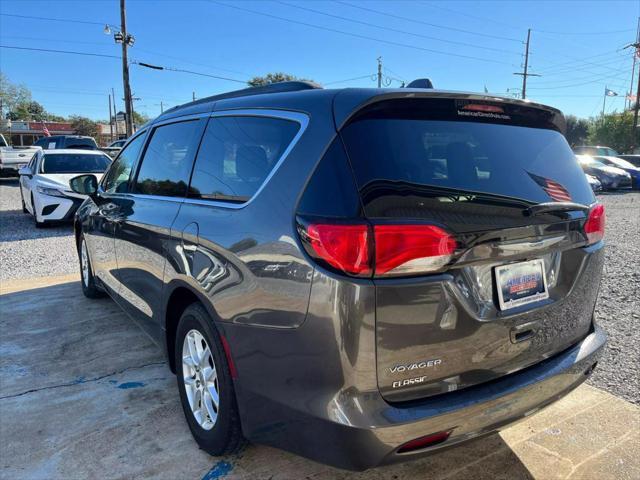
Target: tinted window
x=237 y=154
x=117 y=178
x=411 y=149
x=81 y=143
x=168 y=159
x=332 y=191
x=75 y=163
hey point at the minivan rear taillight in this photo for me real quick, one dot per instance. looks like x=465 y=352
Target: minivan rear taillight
x=380 y=250
x=411 y=249
x=594 y=226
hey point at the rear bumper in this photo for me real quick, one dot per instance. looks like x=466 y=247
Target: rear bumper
x=361 y=430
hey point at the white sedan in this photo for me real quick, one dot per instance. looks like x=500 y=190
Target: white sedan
x=44 y=182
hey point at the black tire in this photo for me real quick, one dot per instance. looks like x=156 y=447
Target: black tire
x=225 y=437
x=89 y=287
x=35 y=217
x=24 y=206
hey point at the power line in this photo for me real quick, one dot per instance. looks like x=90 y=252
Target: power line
x=370 y=76
x=66 y=20
x=356 y=35
x=70 y=52
x=395 y=30
x=616 y=76
x=172 y=69
x=589 y=32
x=617 y=70
x=40 y=39
x=408 y=19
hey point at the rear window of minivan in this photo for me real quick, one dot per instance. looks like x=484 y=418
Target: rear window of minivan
x=436 y=144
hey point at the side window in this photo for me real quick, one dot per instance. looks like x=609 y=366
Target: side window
x=117 y=178
x=166 y=165
x=237 y=154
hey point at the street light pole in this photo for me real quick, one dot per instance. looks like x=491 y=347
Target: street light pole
x=125 y=70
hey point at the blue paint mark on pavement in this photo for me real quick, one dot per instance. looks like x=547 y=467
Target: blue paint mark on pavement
x=219 y=470
x=128 y=385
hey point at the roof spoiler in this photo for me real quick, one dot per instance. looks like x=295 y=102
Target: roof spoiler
x=420 y=83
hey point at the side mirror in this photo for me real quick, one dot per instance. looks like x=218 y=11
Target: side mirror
x=25 y=171
x=84 y=185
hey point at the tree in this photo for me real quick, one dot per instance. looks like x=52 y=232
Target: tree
x=274 y=77
x=12 y=95
x=139 y=118
x=615 y=131
x=29 y=110
x=84 y=126
x=577 y=130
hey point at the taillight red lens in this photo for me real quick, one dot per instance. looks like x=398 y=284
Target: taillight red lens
x=409 y=249
x=396 y=249
x=594 y=226
x=345 y=247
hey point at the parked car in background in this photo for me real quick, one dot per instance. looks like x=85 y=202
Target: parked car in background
x=13 y=159
x=44 y=182
x=610 y=177
x=594 y=183
x=633 y=159
x=114 y=148
x=594 y=150
x=359 y=276
x=622 y=164
x=67 y=141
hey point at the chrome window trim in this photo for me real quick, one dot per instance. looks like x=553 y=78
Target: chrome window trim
x=301 y=118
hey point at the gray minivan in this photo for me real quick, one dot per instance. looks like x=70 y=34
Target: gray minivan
x=359 y=276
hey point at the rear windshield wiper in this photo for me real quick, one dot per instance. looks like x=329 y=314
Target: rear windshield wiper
x=551 y=207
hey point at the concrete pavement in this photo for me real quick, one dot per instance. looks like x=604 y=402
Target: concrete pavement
x=84 y=393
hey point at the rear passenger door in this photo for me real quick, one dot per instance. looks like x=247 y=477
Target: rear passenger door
x=157 y=193
x=239 y=251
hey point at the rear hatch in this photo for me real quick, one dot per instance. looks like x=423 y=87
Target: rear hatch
x=482 y=234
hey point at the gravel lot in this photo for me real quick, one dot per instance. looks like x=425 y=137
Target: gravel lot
x=28 y=253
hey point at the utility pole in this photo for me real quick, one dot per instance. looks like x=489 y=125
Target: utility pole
x=634 y=128
x=110 y=119
x=161 y=107
x=193 y=96
x=379 y=72
x=633 y=67
x=125 y=69
x=526 y=73
x=115 y=121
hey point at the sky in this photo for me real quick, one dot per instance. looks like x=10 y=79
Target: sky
x=576 y=46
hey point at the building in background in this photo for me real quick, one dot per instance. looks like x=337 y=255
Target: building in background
x=23 y=133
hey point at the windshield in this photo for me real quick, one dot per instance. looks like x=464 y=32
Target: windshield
x=586 y=160
x=75 y=163
x=618 y=162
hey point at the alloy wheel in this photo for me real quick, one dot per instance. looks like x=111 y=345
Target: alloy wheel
x=200 y=379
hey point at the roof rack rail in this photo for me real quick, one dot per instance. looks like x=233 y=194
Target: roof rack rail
x=279 y=87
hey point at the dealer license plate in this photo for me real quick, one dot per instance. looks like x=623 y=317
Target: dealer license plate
x=521 y=283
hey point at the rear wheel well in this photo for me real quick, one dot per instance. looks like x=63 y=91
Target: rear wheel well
x=179 y=300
